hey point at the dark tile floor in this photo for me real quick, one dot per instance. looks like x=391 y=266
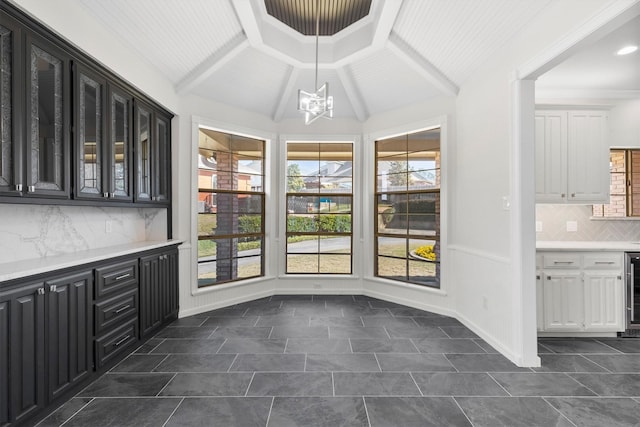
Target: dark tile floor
x=353 y=361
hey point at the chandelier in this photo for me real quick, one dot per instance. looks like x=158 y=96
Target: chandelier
x=319 y=103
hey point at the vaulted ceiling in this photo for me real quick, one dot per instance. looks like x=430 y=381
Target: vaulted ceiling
x=235 y=52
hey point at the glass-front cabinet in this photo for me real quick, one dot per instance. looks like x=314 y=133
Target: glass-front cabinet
x=10 y=101
x=119 y=147
x=47 y=90
x=71 y=130
x=153 y=154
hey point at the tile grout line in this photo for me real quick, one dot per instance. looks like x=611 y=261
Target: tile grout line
x=174 y=411
x=270 y=409
x=499 y=385
x=462 y=410
x=175 y=374
x=544 y=398
x=366 y=411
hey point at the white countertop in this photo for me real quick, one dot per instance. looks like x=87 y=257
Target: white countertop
x=588 y=246
x=29 y=267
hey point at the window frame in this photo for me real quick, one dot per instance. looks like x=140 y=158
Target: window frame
x=285 y=200
x=600 y=210
x=231 y=236
x=438 y=237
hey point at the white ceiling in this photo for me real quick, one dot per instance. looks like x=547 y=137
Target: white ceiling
x=403 y=52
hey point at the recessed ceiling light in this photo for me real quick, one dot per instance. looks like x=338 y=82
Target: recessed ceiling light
x=627 y=50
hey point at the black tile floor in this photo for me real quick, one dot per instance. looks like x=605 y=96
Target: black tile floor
x=353 y=361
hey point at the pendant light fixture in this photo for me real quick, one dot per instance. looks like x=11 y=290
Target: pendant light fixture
x=319 y=103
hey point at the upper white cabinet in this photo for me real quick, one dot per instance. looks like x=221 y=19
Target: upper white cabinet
x=572 y=156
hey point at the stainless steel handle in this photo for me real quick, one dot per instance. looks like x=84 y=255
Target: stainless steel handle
x=122 y=340
x=605 y=262
x=121 y=309
x=124 y=276
x=563 y=262
x=18 y=187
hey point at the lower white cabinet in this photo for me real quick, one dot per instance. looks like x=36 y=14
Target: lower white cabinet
x=580 y=292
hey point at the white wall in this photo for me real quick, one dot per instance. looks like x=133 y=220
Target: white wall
x=493 y=299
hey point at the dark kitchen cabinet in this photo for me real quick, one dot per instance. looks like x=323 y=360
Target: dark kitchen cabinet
x=35 y=92
x=69 y=334
x=46 y=342
x=72 y=131
x=47 y=119
x=11 y=106
x=152 y=154
x=158 y=291
x=22 y=329
x=102 y=117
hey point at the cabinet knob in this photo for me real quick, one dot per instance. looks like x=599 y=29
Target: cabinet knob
x=18 y=187
x=31 y=189
x=105 y=195
x=562 y=195
x=52 y=288
x=40 y=291
x=573 y=194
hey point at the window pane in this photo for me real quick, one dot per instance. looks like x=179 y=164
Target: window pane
x=234 y=164
x=335 y=245
x=303 y=244
x=392 y=268
x=336 y=264
x=408 y=206
x=391 y=246
x=302 y=264
x=326 y=170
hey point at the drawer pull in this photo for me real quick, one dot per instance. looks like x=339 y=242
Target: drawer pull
x=124 y=276
x=122 y=340
x=121 y=309
x=563 y=262
x=605 y=262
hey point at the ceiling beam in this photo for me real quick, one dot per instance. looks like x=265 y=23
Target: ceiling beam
x=213 y=63
x=287 y=90
x=386 y=18
x=418 y=62
x=351 y=89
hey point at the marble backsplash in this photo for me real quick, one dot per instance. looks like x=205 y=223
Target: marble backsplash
x=553 y=219
x=33 y=231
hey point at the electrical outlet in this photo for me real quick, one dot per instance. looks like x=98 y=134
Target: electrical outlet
x=107 y=226
x=485 y=303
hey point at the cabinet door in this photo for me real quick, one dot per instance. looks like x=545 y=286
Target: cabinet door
x=22 y=322
x=604 y=311
x=12 y=107
x=143 y=152
x=47 y=119
x=563 y=301
x=89 y=117
x=588 y=153
x=539 y=302
x=169 y=277
x=119 y=148
x=162 y=159
x=69 y=303
x=551 y=156
x=150 y=297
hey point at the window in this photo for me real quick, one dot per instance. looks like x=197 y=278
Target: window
x=319 y=200
x=624 y=166
x=230 y=207
x=407 y=208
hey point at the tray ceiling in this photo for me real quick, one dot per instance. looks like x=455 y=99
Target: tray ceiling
x=236 y=53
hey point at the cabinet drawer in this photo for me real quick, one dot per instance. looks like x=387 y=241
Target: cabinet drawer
x=605 y=261
x=116 y=277
x=561 y=260
x=109 y=346
x=114 y=311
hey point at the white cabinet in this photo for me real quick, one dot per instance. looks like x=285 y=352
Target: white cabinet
x=580 y=292
x=572 y=156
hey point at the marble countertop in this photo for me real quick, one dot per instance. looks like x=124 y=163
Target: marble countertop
x=588 y=246
x=29 y=267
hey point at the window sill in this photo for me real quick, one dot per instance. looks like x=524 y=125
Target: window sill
x=615 y=218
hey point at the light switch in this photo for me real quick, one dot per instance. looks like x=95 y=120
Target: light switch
x=572 y=226
x=538 y=226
